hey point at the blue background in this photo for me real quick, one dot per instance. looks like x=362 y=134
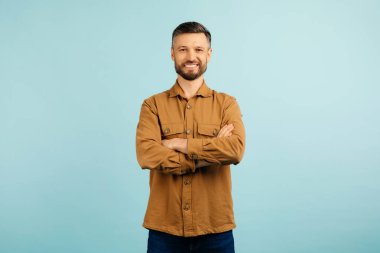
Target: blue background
x=73 y=75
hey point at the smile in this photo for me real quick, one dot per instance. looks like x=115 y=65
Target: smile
x=191 y=66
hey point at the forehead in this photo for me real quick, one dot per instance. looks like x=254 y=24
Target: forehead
x=191 y=40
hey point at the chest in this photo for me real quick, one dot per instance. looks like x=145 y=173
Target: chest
x=194 y=118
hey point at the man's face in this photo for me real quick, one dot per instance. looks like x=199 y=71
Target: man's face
x=191 y=52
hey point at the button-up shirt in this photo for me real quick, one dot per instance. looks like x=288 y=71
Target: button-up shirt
x=187 y=200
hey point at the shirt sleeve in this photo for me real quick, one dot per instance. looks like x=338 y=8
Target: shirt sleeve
x=222 y=150
x=151 y=154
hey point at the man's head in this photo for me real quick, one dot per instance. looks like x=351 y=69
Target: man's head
x=191 y=49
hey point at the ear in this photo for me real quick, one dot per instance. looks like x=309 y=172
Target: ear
x=209 y=52
x=172 y=53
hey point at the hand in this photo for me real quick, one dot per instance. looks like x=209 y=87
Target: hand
x=178 y=144
x=226 y=131
x=167 y=143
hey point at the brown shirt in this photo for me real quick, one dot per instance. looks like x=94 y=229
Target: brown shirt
x=186 y=200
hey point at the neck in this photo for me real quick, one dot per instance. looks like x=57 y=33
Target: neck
x=190 y=88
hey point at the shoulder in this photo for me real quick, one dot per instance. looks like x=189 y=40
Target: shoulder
x=153 y=99
x=227 y=102
x=224 y=97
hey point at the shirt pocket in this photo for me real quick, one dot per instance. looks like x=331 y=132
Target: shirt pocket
x=208 y=130
x=172 y=130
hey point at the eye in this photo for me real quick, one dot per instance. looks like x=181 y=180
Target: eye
x=182 y=50
x=199 y=50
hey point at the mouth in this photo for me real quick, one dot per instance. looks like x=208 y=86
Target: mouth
x=191 y=65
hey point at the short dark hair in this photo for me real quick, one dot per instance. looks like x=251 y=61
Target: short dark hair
x=191 y=27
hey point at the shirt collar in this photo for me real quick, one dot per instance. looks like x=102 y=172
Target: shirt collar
x=203 y=91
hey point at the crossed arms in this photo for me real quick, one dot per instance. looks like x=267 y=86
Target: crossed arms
x=180 y=156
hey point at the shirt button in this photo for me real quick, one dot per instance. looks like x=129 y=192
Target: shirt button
x=186 y=207
x=188 y=131
x=188 y=106
x=167 y=130
x=215 y=132
x=187 y=181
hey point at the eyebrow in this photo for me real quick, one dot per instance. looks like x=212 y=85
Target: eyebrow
x=187 y=47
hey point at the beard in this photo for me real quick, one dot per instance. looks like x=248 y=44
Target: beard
x=190 y=75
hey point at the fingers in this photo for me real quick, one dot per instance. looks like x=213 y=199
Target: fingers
x=226 y=131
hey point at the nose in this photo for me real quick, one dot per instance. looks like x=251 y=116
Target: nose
x=191 y=55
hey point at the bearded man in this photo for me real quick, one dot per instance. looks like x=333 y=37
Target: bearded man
x=187 y=137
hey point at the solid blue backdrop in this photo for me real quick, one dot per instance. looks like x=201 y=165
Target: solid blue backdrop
x=73 y=75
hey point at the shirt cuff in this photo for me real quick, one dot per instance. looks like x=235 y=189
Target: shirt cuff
x=194 y=148
x=187 y=165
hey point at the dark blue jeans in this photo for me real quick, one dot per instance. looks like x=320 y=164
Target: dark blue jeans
x=159 y=242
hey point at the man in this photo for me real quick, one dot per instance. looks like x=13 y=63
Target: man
x=187 y=137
